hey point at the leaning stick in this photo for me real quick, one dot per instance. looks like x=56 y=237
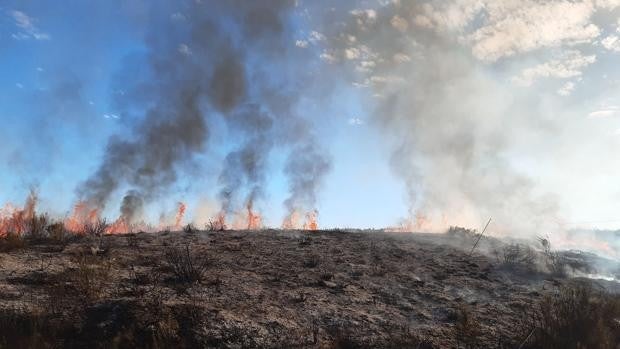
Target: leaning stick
x=528 y=337
x=480 y=237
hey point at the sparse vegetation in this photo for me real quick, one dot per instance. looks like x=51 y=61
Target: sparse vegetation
x=576 y=316
x=266 y=289
x=187 y=267
x=189 y=229
x=518 y=257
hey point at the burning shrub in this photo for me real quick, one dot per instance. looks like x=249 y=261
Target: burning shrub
x=577 y=316
x=187 y=267
x=95 y=228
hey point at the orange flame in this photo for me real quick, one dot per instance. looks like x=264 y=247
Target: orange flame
x=180 y=215
x=311 y=220
x=292 y=221
x=14 y=220
x=81 y=216
x=254 y=219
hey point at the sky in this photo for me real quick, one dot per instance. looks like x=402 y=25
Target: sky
x=373 y=113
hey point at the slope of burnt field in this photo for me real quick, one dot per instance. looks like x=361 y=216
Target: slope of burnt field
x=264 y=289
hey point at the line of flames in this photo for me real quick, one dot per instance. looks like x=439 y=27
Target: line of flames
x=16 y=220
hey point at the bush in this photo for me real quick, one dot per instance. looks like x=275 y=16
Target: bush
x=91 y=276
x=189 y=229
x=519 y=257
x=467 y=329
x=11 y=242
x=577 y=316
x=186 y=266
x=96 y=228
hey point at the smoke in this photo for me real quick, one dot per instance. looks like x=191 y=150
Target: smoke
x=245 y=167
x=450 y=123
x=205 y=61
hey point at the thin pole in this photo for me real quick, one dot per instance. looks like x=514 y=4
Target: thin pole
x=480 y=237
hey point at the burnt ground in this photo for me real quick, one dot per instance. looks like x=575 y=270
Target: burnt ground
x=264 y=289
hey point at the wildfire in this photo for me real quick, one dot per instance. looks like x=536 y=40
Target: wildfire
x=14 y=220
x=311 y=220
x=292 y=221
x=254 y=219
x=81 y=216
x=180 y=214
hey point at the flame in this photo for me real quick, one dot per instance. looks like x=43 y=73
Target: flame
x=311 y=220
x=292 y=221
x=254 y=219
x=81 y=216
x=14 y=220
x=179 y=217
x=119 y=226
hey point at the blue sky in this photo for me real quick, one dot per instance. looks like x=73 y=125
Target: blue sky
x=421 y=107
x=56 y=104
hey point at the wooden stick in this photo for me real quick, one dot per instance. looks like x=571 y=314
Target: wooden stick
x=480 y=237
x=528 y=337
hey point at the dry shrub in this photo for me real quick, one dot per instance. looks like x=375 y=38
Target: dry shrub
x=518 y=257
x=467 y=330
x=57 y=232
x=187 y=267
x=189 y=229
x=96 y=228
x=312 y=261
x=11 y=242
x=577 y=316
x=556 y=263
x=37 y=226
x=91 y=275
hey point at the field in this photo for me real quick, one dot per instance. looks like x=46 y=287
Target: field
x=286 y=289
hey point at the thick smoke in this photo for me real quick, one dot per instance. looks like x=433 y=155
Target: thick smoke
x=450 y=123
x=205 y=60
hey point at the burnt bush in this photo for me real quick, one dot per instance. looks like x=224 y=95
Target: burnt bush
x=11 y=242
x=186 y=266
x=576 y=316
x=518 y=257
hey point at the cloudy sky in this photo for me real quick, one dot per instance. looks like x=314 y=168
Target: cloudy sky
x=374 y=113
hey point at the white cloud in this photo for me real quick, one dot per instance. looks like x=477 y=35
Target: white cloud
x=301 y=43
x=315 y=37
x=608 y=4
x=356 y=122
x=110 y=116
x=19 y=85
x=27 y=26
x=604 y=113
x=569 y=65
x=612 y=43
x=399 y=23
x=352 y=53
x=566 y=89
x=184 y=50
x=447 y=15
x=328 y=57
x=517 y=26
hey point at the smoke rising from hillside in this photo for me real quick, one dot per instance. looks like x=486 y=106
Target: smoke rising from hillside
x=203 y=62
x=450 y=123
